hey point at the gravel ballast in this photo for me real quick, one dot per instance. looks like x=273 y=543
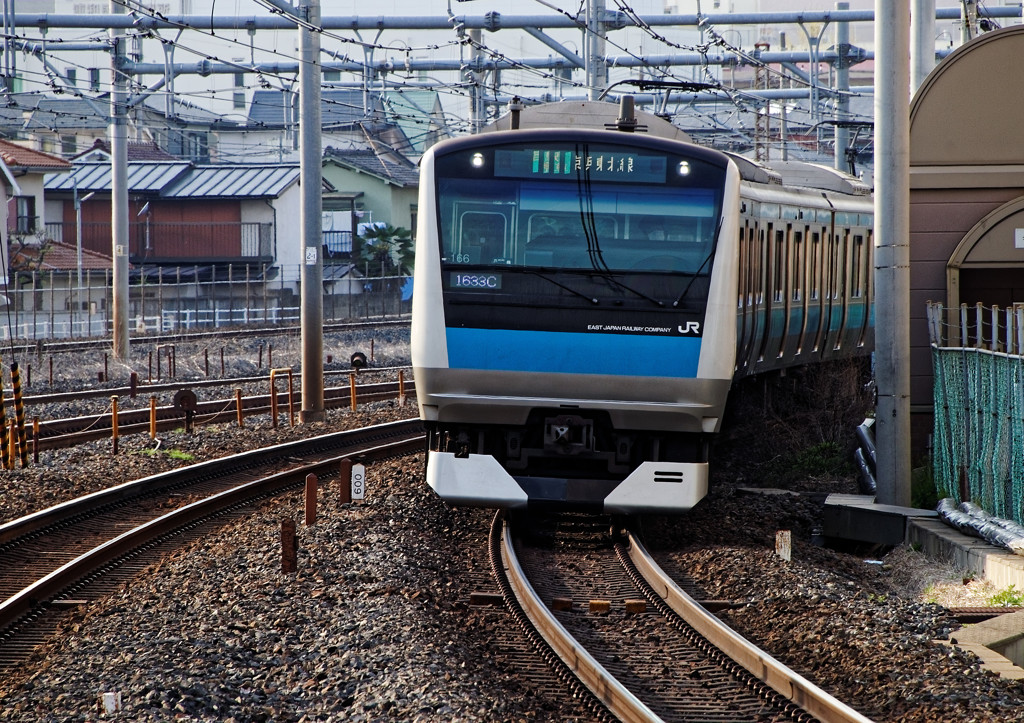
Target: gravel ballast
x=375 y=624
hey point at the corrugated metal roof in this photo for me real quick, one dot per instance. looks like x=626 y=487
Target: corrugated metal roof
x=142 y=177
x=257 y=181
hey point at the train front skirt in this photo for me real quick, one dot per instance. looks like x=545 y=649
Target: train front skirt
x=479 y=480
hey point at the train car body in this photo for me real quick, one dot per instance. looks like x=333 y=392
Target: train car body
x=584 y=299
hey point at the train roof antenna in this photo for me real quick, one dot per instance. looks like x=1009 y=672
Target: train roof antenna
x=626 y=122
x=515 y=108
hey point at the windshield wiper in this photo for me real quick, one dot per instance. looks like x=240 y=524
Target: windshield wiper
x=609 y=277
x=560 y=285
x=711 y=255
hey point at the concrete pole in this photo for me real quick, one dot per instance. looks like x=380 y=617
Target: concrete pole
x=922 y=48
x=119 y=188
x=594 y=42
x=892 y=249
x=842 y=133
x=476 y=91
x=311 y=179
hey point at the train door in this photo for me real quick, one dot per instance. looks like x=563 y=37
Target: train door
x=866 y=290
x=762 y=327
x=778 y=324
x=744 y=295
x=798 y=295
x=856 y=310
x=816 y=304
x=482 y=234
x=838 y=264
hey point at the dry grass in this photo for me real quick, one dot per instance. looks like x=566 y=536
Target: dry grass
x=917 y=576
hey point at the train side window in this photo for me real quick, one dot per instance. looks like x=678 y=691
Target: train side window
x=779 y=275
x=856 y=267
x=751 y=263
x=762 y=250
x=798 y=266
x=742 y=272
x=840 y=242
x=814 y=284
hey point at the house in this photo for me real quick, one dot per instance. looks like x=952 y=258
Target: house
x=57 y=290
x=68 y=125
x=380 y=185
x=25 y=214
x=180 y=212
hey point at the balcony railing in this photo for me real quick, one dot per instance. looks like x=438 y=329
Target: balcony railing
x=153 y=242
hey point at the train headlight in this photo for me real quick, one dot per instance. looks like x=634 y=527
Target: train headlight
x=684 y=168
x=477 y=160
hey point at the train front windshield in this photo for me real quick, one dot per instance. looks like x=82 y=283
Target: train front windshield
x=594 y=221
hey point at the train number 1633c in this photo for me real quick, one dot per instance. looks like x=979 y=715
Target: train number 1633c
x=463 y=280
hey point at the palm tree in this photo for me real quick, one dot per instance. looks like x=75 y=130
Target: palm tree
x=386 y=247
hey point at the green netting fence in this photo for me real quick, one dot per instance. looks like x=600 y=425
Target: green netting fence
x=978 y=443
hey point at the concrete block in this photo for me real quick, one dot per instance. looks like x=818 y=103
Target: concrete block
x=858 y=518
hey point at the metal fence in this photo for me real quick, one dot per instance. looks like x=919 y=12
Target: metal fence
x=175 y=241
x=50 y=305
x=978 y=361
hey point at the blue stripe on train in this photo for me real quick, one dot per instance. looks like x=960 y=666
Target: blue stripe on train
x=573 y=353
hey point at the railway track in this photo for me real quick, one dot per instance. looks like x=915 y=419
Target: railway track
x=61 y=433
x=632 y=640
x=77 y=345
x=59 y=558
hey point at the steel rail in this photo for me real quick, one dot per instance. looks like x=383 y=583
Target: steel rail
x=173 y=478
x=53 y=434
x=173 y=385
x=603 y=685
x=52 y=584
x=53 y=345
x=782 y=679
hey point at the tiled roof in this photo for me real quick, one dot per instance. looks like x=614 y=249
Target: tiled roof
x=16 y=156
x=137 y=151
x=404 y=174
x=57 y=256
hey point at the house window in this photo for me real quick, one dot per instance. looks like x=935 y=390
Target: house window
x=68 y=145
x=94 y=79
x=25 y=220
x=238 y=100
x=332 y=75
x=239 y=80
x=71 y=74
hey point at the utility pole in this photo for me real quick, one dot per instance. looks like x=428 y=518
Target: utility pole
x=922 y=49
x=119 y=186
x=892 y=249
x=594 y=42
x=842 y=133
x=311 y=181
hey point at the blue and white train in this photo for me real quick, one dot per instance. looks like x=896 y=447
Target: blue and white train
x=585 y=299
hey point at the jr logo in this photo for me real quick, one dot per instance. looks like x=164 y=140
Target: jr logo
x=692 y=327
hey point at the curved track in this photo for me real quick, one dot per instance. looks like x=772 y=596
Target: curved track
x=639 y=644
x=52 y=554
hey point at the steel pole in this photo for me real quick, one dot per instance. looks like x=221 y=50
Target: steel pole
x=310 y=179
x=892 y=249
